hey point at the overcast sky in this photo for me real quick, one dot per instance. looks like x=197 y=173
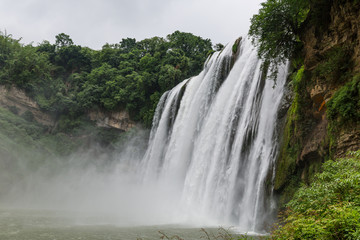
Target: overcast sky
x=93 y=23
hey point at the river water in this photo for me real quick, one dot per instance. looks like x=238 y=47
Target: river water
x=55 y=225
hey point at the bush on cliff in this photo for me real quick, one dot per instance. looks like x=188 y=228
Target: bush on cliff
x=330 y=207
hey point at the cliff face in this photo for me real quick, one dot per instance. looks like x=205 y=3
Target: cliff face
x=118 y=119
x=320 y=46
x=16 y=100
x=341 y=26
x=331 y=60
x=340 y=34
x=340 y=31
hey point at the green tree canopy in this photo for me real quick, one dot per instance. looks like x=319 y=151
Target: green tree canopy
x=63 y=40
x=275 y=28
x=65 y=78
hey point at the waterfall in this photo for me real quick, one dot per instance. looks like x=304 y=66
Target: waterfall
x=213 y=142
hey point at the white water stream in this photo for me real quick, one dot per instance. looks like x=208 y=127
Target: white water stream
x=213 y=142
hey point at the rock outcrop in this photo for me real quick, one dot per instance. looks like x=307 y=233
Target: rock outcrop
x=17 y=100
x=116 y=119
x=348 y=141
x=14 y=98
x=340 y=26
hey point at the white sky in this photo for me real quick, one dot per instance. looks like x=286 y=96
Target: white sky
x=93 y=23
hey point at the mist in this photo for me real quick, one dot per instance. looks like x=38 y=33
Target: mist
x=94 y=185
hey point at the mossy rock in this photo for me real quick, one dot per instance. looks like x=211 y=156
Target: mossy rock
x=235 y=47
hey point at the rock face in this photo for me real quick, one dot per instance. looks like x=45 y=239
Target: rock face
x=348 y=141
x=308 y=142
x=117 y=119
x=341 y=28
x=17 y=100
x=14 y=98
x=314 y=146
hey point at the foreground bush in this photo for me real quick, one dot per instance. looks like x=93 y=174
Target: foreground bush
x=330 y=207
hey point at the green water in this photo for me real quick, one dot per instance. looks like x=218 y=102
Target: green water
x=52 y=225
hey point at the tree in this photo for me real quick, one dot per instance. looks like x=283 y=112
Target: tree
x=169 y=77
x=194 y=47
x=8 y=46
x=148 y=63
x=128 y=44
x=47 y=47
x=275 y=28
x=154 y=45
x=63 y=40
x=74 y=58
x=101 y=87
x=24 y=67
x=110 y=54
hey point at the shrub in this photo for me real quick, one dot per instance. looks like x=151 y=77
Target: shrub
x=28 y=116
x=344 y=106
x=337 y=65
x=13 y=109
x=330 y=207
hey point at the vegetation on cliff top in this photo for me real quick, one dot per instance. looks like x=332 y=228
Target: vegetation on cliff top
x=275 y=29
x=67 y=79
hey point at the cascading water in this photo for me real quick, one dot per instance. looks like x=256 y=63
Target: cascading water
x=213 y=141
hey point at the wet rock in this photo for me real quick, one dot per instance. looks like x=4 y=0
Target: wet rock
x=313 y=148
x=348 y=141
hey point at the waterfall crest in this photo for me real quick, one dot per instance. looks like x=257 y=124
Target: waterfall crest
x=213 y=142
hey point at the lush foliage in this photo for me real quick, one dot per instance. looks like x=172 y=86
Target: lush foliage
x=335 y=66
x=344 y=106
x=330 y=207
x=67 y=79
x=275 y=29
